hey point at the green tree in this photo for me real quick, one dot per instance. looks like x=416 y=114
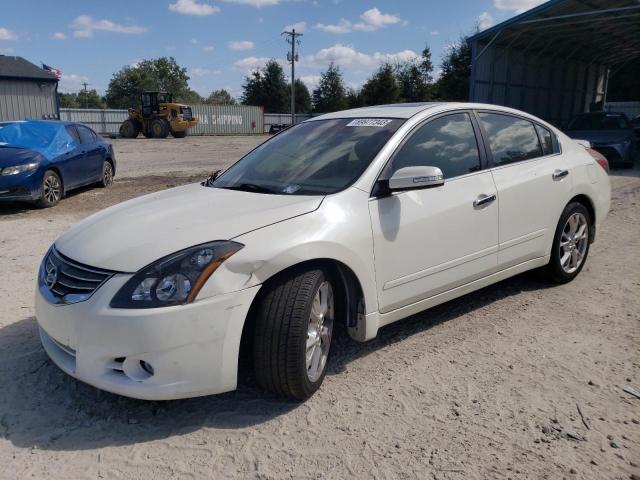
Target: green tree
x=382 y=87
x=303 y=98
x=412 y=83
x=354 y=98
x=453 y=83
x=220 y=97
x=162 y=73
x=267 y=87
x=90 y=99
x=68 y=100
x=330 y=94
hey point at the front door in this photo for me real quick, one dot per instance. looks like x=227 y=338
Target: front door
x=432 y=240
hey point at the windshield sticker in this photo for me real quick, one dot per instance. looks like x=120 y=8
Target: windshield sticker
x=289 y=189
x=369 y=122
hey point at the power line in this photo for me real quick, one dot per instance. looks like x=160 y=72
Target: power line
x=292 y=57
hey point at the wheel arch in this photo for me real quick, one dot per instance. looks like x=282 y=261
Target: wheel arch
x=350 y=296
x=589 y=205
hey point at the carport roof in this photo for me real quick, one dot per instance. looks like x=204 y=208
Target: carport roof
x=596 y=31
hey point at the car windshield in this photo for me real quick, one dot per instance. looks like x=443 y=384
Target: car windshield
x=604 y=121
x=313 y=158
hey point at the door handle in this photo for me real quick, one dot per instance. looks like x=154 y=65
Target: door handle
x=484 y=200
x=560 y=174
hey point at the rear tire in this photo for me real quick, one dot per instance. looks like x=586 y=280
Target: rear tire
x=293 y=329
x=107 y=174
x=129 y=129
x=50 y=190
x=570 y=244
x=159 y=128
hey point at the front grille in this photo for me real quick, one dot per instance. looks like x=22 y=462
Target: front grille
x=186 y=113
x=69 y=281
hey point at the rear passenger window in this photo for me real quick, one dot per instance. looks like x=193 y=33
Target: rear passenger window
x=546 y=140
x=448 y=143
x=511 y=139
x=71 y=130
x=86 y=135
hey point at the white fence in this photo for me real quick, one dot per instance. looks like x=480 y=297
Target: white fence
x=213 y=119
x=631 y=109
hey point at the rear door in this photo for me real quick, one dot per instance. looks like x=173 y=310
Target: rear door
x=533 y=184
x=432 y=240
x=91 y=170
x=70 y=163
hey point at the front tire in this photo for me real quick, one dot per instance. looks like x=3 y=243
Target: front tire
x=50 y=190
x=293 y=330
x=179 y=134
x=570 y=244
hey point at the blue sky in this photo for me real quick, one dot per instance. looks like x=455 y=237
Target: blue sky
x=219 y=41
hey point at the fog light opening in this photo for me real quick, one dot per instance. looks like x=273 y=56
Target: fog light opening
x=146 y=367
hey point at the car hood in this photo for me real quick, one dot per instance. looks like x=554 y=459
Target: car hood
x=10 y=156
x=131 y=235
x=600 y=136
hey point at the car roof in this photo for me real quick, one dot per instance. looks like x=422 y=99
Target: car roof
x=408 y=110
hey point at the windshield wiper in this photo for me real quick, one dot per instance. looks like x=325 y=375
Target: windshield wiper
x=252 y=187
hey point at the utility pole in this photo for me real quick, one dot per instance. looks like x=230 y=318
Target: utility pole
x=292 y=57
x=86 y=98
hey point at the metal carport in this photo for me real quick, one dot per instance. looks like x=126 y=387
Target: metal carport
x=555 y=60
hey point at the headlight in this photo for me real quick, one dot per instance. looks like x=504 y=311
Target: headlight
x=27 y=167
x=175 y=279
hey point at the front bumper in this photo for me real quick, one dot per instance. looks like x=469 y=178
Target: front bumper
x=192 y=349
x=21 y=187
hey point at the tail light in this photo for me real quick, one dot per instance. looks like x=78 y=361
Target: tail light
x=598 y=157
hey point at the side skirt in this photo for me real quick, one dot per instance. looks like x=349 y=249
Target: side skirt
x=376 y=320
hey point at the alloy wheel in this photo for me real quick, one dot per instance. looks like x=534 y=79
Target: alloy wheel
x=108 y=174
x=573 y=242
x=52 y=189
x=319 y=331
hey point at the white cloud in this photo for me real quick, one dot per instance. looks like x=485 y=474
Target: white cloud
x=485 y=20
x=202 y=72
x=6 y=34
x=517 y=6
x=371 y=20
x=343 y=26
x=241 y=45
x=7 y=51
x=71 y=82
x=434 y=33
x=347 y=55
x=193 y=7
x=84 y=26
x=251 y=63
x=59 y=36
x=255 y=3
x=194 y=41
x=208 y=48
x=374 y=19
x=300 y=27
x=311 y=81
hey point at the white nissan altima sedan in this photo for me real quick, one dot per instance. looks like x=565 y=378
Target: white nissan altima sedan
x=361 y=217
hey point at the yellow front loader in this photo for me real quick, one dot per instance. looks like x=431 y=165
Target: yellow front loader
x=158 y=117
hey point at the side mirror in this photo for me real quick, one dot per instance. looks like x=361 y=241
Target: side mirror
x=414 y=178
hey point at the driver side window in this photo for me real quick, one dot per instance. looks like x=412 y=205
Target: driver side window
x=448 y=142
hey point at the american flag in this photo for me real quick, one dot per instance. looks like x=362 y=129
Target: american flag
x=55 y=71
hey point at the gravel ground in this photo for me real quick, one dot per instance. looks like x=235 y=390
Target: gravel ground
x=490 y=385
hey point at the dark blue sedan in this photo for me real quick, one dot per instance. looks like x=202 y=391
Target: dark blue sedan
x=41 y=160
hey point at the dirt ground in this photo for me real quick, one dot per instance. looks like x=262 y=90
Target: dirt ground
x=491 y=385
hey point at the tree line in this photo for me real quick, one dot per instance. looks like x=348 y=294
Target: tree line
x=409 y=81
